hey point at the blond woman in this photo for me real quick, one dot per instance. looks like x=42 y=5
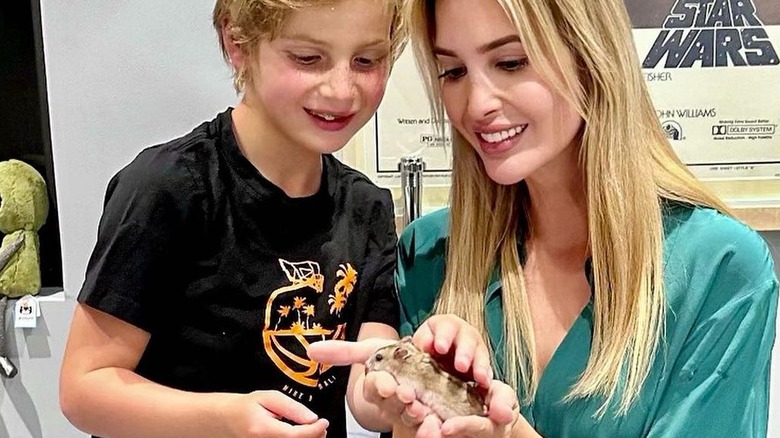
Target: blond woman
x=618 y=295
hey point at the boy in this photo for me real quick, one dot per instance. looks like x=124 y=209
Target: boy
x=223 y=254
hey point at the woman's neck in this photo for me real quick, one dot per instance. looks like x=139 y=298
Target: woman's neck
x=559 y=215
x=293 y=169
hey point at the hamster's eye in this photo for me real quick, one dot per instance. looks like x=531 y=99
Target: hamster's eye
x=378 y=357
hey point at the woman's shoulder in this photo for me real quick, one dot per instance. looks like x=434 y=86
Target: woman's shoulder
x=705 y=231
x=427 y=233
x=421 y=267
x=712 y=251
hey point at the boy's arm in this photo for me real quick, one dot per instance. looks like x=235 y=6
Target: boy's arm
x=101 y=394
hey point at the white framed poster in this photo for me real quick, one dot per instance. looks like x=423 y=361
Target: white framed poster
x=402 y=127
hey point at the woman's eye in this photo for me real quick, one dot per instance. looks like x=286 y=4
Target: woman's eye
x=513 y=64
x=453 y=73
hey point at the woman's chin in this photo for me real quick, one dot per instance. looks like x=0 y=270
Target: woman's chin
x=504 y=175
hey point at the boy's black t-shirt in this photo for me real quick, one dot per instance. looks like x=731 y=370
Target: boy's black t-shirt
x=232 y=278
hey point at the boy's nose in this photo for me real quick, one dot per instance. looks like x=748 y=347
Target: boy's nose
x=339 y=84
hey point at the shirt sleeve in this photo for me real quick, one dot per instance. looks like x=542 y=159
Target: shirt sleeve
x=141 y=240
x=410 y=320
x=719 y=380
x=420 y=269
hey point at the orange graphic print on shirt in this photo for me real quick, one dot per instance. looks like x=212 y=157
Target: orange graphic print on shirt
x=338 y=299
x=289 y=318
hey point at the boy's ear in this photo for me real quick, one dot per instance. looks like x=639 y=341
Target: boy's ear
x=233 y=50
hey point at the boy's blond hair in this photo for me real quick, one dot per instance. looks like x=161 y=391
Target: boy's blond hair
x=251 y=21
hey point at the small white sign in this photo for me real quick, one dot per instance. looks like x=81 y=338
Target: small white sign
x=26 y=312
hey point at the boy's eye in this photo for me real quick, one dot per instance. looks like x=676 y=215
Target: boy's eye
x=453 y=73
x=306 y=59
x=370 y=61
x=364 y=61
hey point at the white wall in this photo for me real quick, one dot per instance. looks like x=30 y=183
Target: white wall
x=121 y=76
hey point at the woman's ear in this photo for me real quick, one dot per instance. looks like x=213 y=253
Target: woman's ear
x=235 y=53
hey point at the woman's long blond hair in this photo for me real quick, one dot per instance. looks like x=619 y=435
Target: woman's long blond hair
x=629 y=169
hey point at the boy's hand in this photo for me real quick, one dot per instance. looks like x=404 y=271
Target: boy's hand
x=397 y=403
x=260 y=413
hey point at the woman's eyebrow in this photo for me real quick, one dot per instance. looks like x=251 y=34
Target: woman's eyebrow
x=483 y=48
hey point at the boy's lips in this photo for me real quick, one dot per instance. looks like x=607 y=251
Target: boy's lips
x=330 y=121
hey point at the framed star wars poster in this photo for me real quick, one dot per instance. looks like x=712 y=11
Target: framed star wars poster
x=713 y=70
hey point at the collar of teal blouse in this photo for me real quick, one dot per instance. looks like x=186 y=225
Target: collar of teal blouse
x=494 y=285
x=493 y=290
x=494 y=313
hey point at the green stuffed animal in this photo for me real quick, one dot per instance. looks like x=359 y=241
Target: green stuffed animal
x=24 y=206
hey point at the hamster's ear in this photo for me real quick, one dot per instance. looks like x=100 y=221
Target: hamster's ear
x=406 y=341
x=401 y=353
